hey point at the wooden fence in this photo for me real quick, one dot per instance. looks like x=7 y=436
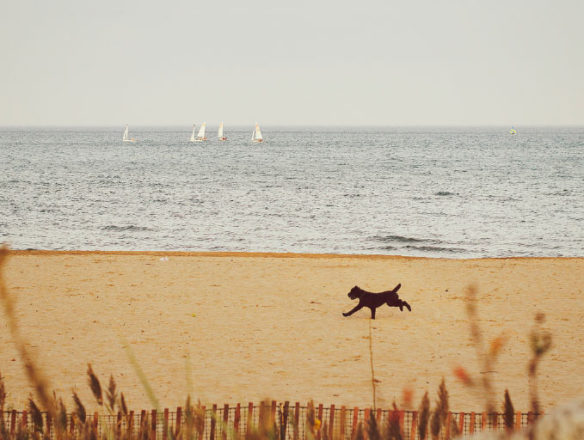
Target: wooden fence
x=221 y=423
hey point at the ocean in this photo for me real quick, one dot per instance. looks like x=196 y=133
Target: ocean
x=432 y=192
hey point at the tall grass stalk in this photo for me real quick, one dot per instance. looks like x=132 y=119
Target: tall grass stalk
x=142 y=377
x=371 y=363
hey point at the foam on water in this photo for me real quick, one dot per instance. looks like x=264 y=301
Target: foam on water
x=423 y=192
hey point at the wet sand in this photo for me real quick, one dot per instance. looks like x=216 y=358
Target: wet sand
x=239 y=327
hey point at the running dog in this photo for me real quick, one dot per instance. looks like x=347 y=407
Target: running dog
x=374 y=300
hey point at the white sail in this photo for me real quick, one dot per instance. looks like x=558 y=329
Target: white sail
x=125 y=136
x=220 y=131
x=201 y=134
x=258 y=133
x=193 y=134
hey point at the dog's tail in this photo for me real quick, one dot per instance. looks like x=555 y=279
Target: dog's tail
x=396 y=288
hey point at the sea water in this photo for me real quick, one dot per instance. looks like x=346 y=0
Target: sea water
x=435 y=192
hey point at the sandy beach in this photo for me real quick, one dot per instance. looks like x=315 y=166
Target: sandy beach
x=241 y=327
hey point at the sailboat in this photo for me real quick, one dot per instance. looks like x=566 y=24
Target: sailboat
x=201 y=135
x=220 y=133
x=193 y=134
x=126 y=138
x=256 y=136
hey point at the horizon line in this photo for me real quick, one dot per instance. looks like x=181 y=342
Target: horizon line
x=239 y=125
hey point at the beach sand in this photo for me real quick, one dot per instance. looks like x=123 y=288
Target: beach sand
x=247 y=326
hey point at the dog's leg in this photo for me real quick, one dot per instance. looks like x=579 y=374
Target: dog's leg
x=357 y=307
x=373 y=312
x=405 y=304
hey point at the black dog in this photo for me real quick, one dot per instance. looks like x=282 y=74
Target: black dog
x=374 y=300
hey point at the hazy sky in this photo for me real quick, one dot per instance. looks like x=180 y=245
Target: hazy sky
x=368 y=62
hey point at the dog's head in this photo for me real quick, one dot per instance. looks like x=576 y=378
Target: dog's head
x=355 y=292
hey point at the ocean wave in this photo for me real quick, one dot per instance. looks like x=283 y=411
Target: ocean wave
x=435 y=249
x=401 y=239
x=130 y=228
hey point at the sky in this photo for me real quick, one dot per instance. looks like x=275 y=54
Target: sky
x=337 y=63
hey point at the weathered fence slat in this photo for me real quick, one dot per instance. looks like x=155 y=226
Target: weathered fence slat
x=518 y=421
x=296 y=420
x=225 y=421
x=366 y=423
x=319 y=416
x=331 y=421
x=165 y=425
x=355 y=421
x=13 y=422
x=213 y=421
x=343 y=421
x=249 y=418
x=461 y=423
x=237 y=419
x=414 y=427
x=178 y=421
x=284 y=421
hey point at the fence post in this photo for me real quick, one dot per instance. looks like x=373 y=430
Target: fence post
x=414 y=427
x=355 y=421
x=495 y=421
x=178 y=421
x=343 y=422
x=225 y=421
x=213 y=421
x=284 y=420
x=142 y=423
x=24 y=420
x=249 y=418
x=273 y=413
x=366 y=423
x=165 y=425
x=518 y=421
x=319 y=416
x=71 y=423
x=484 y=421
x=401 y=415
x=296 y=420
x=237 y=419
x=153 y=421
x=331 y=421
x=95 y=422
x=131 y=423
x=448 y=422
x=461 y=423
x=472 y=423
x=13 y=422
x=204 y=411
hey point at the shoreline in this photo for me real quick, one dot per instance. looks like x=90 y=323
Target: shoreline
x=253 y=254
